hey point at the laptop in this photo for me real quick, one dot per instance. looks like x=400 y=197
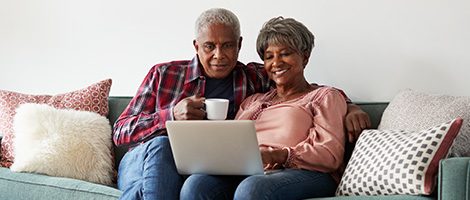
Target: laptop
x=225 y=147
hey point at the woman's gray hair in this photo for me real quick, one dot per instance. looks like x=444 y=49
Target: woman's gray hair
x=217 y=16
x=289 y=32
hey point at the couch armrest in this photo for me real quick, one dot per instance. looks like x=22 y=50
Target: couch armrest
x=453 y=178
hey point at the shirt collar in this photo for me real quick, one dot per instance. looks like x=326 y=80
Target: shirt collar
x=194 y=72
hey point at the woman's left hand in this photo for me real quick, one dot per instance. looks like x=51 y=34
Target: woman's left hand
x=274 y=156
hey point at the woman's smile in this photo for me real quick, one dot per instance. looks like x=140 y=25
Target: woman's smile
x=280 y=72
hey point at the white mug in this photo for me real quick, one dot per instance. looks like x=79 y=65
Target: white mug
x=216 y=109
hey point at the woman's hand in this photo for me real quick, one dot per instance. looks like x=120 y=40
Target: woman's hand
x=274 y=156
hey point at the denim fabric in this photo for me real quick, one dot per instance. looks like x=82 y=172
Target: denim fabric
x=148 y=172
x=288 y=184
x=201 y=186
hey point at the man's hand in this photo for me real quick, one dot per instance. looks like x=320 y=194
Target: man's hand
x=189 y=108
x=355 y=121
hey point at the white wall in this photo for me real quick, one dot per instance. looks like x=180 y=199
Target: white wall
x=371 y=49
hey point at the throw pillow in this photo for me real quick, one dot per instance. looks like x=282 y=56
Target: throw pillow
x=92 y=98
x=63 y=143
x=392 y=162
x=414 y=111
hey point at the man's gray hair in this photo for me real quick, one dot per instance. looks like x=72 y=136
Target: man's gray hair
x=289 y=32
x=217 y=16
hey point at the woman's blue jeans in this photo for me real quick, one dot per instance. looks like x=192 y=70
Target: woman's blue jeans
x=288 y=184
x=148 y=171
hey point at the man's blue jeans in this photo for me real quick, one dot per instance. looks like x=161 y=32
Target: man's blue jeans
x=148 y=171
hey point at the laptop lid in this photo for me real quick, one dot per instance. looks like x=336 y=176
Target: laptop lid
x=226 y=147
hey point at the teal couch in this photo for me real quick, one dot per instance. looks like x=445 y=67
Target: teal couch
x=453 y=173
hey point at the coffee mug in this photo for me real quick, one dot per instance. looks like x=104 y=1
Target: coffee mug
x=216 y=109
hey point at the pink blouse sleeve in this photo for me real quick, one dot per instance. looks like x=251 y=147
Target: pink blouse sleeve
x=324 y=147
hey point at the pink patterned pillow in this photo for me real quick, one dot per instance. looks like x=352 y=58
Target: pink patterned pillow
x=94 y=98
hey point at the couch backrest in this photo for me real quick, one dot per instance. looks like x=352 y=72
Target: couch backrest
x=118 y=104
x=375 y=111
x=116 y=107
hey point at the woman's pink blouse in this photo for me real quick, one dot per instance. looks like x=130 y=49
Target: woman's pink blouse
x=311 y=127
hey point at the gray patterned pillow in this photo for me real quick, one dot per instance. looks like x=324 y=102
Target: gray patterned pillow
x=415 y=111
x=397 y=162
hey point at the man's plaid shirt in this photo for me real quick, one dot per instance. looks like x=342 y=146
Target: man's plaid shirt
x=168 y=83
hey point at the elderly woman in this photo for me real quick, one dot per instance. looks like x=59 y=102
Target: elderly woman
x=299 y=126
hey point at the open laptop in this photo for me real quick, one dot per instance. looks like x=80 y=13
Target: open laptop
x=227 y=147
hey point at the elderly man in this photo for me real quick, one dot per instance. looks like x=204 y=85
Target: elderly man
x=175 y=91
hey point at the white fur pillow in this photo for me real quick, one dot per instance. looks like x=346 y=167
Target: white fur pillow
x=63 y=143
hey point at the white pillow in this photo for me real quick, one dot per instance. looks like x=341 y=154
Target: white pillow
x=391 y=162
x=63 y=143
x=415 y=111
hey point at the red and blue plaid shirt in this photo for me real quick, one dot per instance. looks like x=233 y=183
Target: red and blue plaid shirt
x=168 y=83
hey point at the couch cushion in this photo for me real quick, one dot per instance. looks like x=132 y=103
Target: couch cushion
x=454 y=178
x=16 y=185
x=393 y=162
x=92 y=98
